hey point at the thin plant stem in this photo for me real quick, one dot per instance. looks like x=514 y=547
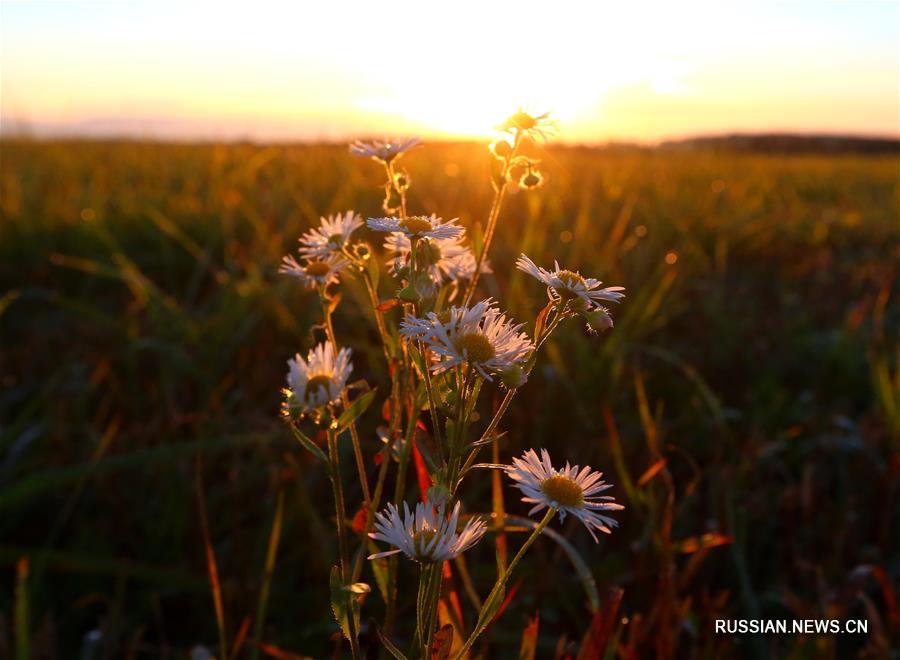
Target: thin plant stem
x=431 y=604
x=488 y=432
x=399 y=490
x=338 y=488
x=379 y=317
x=432 y=403
x=345 y=400
x=396 y=398
x=493 y=214
x=489 y=607
x=426 y=604
x=504 y=405
x=455 y=446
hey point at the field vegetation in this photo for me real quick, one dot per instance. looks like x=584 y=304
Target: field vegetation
x=746 y=406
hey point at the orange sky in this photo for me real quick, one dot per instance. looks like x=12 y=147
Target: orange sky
x=638 y=71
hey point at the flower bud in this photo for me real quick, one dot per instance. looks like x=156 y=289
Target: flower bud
x=598 y=320
x=401 y=181
x=531 y=179
x=409 y=294
x=513 y=377
x=501 y=149
x=439 y=494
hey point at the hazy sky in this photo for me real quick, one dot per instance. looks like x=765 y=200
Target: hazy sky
x=333 y=69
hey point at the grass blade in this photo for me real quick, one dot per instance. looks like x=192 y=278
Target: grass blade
x=271 y=553
x=211 y=566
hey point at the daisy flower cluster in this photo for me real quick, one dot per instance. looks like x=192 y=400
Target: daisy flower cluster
x=445 y=350
x=325 y=251
x=480 y=337
x=428 y=535
x=318 y=380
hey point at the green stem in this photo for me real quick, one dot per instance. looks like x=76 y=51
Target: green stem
x=491 y=604
x=432 y=404
x=399 y=490
x=488 y=432
x=426 y=604
x=504 y=405
x=493 y=214
x=345 y=400
x=337 y=487
x=394 y=429
x=456 y=445
x=431 y=604
x=379 y=317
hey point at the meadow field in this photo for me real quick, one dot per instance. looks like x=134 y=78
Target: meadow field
x=746 y=405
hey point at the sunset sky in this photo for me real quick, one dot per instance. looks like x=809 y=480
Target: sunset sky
x=331 y=70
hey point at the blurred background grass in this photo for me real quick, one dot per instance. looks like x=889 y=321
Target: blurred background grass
x=746 y=405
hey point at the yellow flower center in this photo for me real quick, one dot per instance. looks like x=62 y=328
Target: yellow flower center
x=476 y=347
x=417 y=224
x=523 y=121
x=563 y=490
x=317 y=269
x=570 y=280
x=315 y=383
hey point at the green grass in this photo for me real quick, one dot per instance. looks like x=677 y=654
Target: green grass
x=144 y=329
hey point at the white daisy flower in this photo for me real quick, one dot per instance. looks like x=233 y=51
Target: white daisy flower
x=447 y=259
x=330 y=236
x=479 y=336
x=385 y=151
x=418 y=226
x=320 y=379
x=566 y=490
x=534 y=126
x=314 y=272
x=567 y=285
x=426 y=536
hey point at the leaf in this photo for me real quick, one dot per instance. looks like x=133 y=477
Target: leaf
x=443 y=642
x=211 y=565
x=387 y=305
x=499 y=607
x=499 y=509
x=578 y=563
x=695 y=543
x=308 y=444
x=356 y=409
x=421 y=470
x=374 y=272
x=541 y=320
x=341 y=601
x=529 y=638
x=240 y=638
x=333 y=301
x=418 y=359
x=476 y=236
x=275 y=652
x=651 y=471
x=269 y=570
x=20 y=615
x=360 y=518
x=389 y=645
x=598 y=635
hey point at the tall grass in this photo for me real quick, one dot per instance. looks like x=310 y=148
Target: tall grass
x=746 y=405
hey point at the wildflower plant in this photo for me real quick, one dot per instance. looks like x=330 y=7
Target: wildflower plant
x=443 y=350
